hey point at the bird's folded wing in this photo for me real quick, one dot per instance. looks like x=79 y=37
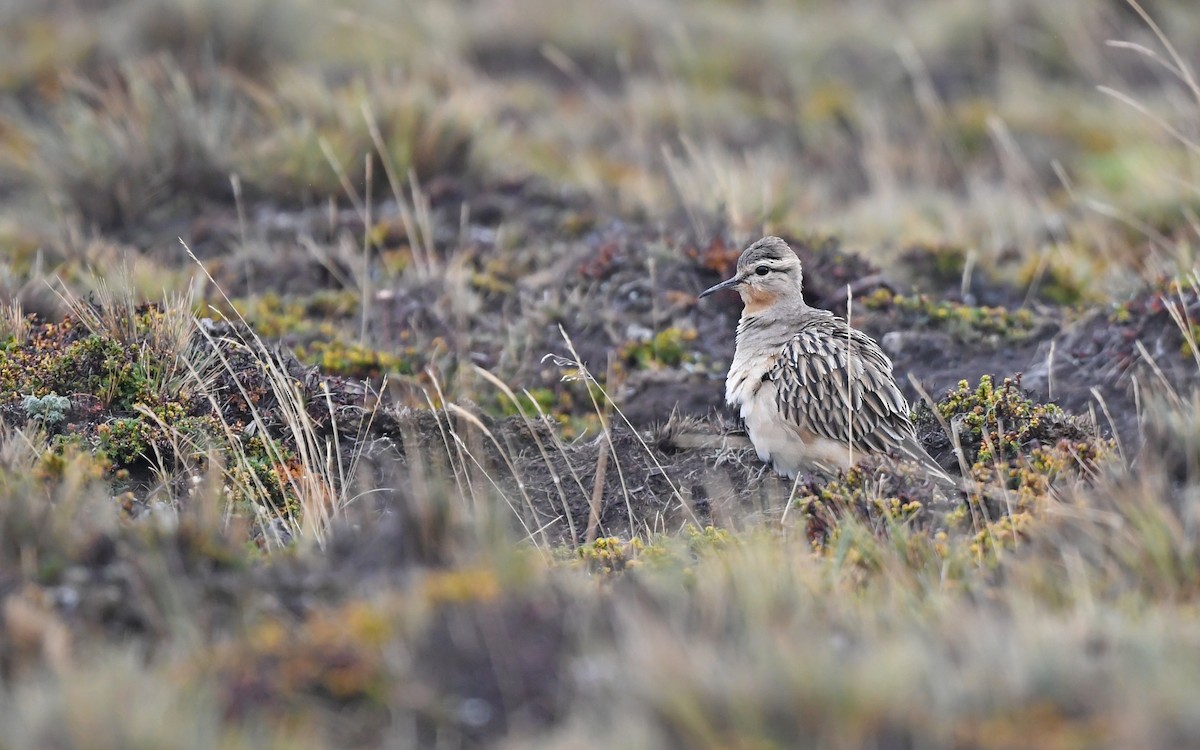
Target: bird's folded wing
x=835 y=381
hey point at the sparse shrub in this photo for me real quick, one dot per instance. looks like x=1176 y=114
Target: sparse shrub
x=130 y=359
x=997 y=423
x=251 y=37
x=263 y=477
x=935 y=267
x=885 y=502
x=610 y=554
x=1058 y=280
x=49 y=410
x=125 y=441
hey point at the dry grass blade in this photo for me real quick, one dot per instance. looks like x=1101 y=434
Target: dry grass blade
x=12 y=321
x=347 y=186
x=1181 y=67
x=421 y=258
x=598 y=498
x=592 y=382
x=455 y=446
x=1158 y=120
x=534 y=432
x=529 y=506
x=321 y=484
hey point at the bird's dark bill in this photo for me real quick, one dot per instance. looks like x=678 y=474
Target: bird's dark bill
x=726 y=284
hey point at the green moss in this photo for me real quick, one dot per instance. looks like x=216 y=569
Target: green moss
x=274 y=316
x=667 y=348
x=317 y=326
x=967 y=323
x=358 y=361
x=608 y=555
x=530 y=402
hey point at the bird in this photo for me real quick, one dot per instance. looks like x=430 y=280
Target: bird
x=814 y=393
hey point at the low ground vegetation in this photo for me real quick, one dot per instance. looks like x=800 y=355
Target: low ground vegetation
x=354 y=391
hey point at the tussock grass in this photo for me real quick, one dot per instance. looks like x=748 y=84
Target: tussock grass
x=804 y=113
x=113 y=702
x=43 y=39
x=137 y=144
x=321 y=137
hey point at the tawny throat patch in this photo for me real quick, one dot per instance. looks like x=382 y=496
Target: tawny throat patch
x=757 y=300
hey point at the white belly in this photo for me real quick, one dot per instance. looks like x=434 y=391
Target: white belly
x=788 y=447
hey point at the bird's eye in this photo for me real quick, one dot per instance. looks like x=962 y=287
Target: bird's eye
x=762 y=270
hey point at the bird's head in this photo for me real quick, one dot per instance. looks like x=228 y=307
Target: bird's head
x=768 y=272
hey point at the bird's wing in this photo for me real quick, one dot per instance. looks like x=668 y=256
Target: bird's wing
x=835 y=381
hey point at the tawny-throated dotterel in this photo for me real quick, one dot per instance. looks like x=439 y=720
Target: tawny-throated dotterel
x=814 y=392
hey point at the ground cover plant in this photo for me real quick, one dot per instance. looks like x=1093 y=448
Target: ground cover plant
x=354 y=391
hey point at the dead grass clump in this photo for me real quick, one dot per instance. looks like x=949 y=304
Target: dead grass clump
x=249 y=38
x=139 y=144
x=322 y=135
x=114 y=700
x=44 y=39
